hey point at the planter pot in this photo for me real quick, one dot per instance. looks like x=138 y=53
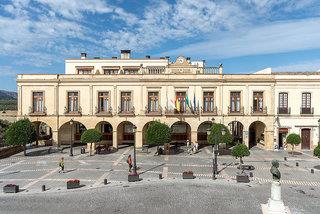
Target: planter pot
x=133 y=177
x=242 y=178
x=188 y=175
x=73 y=185
x=11 y=189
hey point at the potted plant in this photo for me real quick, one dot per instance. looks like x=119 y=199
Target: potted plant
x=188 y=175
x=73 y=183
x=239 y=151
x=133 y=177
x=11 y=188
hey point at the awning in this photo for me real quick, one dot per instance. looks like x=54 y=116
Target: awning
x=130 y=68
x=85 y=67
x=110 y=67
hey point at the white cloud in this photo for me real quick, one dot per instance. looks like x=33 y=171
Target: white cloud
x=310 y=65
x=272 y=38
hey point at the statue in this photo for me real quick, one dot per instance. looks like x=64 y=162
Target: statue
x=276 y=175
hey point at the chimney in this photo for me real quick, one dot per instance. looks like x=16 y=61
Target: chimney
x=96 y=57
x=220 y=69
x=188 y=59
x=125 y=54
x=83 y=55
x=114 y=57
x=147 y=57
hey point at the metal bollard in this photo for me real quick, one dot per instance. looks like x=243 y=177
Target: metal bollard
x=251 y=174
x=43 y=188
x=285 y=158
x=160 y=176
x=105 y=181
x=297 y=164
x=312 y=171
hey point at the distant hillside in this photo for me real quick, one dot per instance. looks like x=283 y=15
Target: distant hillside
x=8 y=95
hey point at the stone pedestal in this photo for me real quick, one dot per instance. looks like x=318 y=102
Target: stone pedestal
x=275 y=204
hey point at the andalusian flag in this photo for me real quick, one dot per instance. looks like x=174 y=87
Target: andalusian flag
x=178 y=105
x=194 y=102
x=188 y=102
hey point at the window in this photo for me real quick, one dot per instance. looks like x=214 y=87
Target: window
x=208 y=102
x=181 y=99
x=103 y=101
x=153 y=101
x=38 y=105
x=306 y=100
x=283 y=100
x=85 y=70
x=235 y=101
x=257 y=101
x=110 y=71
x=131 y=70
x=73 y=102
x=126 y=101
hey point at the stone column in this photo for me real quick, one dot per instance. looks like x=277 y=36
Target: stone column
x=246 y=138
x=138 y=139
x=193 y=136
x=55 y=138
x=269 y=139
x=115 y=139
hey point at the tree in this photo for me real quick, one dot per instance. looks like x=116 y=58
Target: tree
x=239 y=151
x=216 y=136
x=4 y=125
x=293 y=139
x=158 y=134
x=91 y=136
x=316 y=151
x=21 y=132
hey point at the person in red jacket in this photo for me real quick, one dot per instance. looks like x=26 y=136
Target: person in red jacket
x=129 y=161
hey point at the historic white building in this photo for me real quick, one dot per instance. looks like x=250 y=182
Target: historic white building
x=116 y=93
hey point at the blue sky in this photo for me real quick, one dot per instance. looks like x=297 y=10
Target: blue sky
x=244 y=35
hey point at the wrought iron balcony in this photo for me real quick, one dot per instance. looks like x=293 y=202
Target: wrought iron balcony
x=285 y=110
x=74 y=112
x=236 y=111
x=262 y=111
x=101 y=112
x=153 y=112
x=214 y=111
x=124 y=112
x=187 y=112
x=306 y=111
x=33 y=112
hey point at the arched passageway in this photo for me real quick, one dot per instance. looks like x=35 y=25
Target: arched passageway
x=202 y=137
x=144 y=132
x=180 y=132
x=256 y=134
x=44 y=133
x=125 y=133
x=236 y=130
x=70 y=132
x=106 y=130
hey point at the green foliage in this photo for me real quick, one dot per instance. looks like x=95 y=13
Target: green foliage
x=91 y=136
x=158 y=133
x=21 y=132
x=8 y=105
x=293 y=139
x=316 y=151
x=240 y=150
x=4 y=125
x=216 y=136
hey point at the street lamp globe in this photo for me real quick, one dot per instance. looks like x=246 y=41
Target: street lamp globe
x=208 y=131
x=319 y=122
x=223 y=131
x=71 y=122
x=134 y=129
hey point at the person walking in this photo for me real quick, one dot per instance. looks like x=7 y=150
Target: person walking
x=129 y=161
x=61 y=165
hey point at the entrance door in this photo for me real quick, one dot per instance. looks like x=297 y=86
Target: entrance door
x=305 y=135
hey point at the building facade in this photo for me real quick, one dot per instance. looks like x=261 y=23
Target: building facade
x=114 y=94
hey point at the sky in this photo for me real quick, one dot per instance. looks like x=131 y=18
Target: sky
x=244 y=35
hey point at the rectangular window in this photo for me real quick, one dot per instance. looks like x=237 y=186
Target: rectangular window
x=38 y=105
x=85 y=70
x=283 y=100
x=306 y=100
x=103 y=101
x=258 y=101
x=235 y=101
x=126 y=101
x=110 y=71
x=73 y=102
x=153 y=101
x=208 y=102
x=181 y=99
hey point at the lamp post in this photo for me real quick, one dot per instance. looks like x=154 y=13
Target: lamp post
x=215 y=150
x=319 y=132
x=71 y=144
x=134 y=130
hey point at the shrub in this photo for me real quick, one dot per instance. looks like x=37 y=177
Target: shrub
x=216 y=136
x=293 y=139
x=91 y=136
x=239 y=151
x=158 y=134
x=316 y=151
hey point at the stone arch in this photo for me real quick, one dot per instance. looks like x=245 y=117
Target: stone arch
x=257 y=134
x=125 y=134
x=44 y=133
x=106 y=130
x=236 y=130
x=202 y=132
x=180 y=132
x=71 y=133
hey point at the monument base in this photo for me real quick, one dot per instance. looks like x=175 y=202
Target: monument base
x=282 y=210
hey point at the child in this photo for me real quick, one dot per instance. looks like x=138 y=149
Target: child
x=61 y=165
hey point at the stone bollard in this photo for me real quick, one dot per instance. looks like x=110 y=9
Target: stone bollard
x=251 y=174
x=285 y=158
x=312 y=171
x=160 y=176
x=297 y=164
x=105 y=181
x=43 y=188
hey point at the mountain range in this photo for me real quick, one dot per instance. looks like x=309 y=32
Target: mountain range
x=8 y=95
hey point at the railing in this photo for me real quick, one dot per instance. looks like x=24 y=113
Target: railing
x=43 y=112
x=284 y=110
x=235 y=112
x=99 y=112
x=211 y=70
x=206 y=112
x=73 y=113
x=188 y=112
x=152 y=112
x=263 y=111
x=122 y=112
x=306 y=110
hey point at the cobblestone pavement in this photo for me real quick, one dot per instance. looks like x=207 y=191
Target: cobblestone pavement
x=41 y=168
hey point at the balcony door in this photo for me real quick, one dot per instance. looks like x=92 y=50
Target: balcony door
x=126 y=103
x=235 y=101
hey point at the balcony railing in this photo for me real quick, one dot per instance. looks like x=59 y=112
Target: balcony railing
x=284 y=110
x=150 y=112
x=306 y=111
x=262 y=111
x=188 y=112
x=214 y=111
x=42 y=112
x=122 y=112
x=211 y=70
x=74 y=112
x=235 y=111
x=101 y=112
